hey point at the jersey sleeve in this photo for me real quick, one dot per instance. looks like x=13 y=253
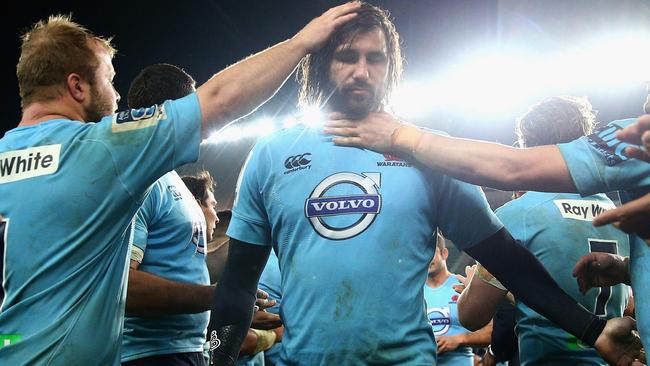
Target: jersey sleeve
x=597 y=163
x=146 y=215
x=250 y=223
x=146 y=143
x=465 y=217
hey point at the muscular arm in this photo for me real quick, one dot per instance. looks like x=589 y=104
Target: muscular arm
x=232 y=309
x=477 y=162
x=150 y=295
x=478 y=303
x=520 y=272
x=242 y=87
x=494 y=165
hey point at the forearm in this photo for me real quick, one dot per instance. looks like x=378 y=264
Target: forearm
x=478 y=303
x=232 y=309
x=479 y=338
x=488 y=164
x=242 y=87
x=150 y=295
x=529 y=281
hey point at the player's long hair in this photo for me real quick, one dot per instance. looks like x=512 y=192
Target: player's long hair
x=51 y=51
x=313 y=71
x=555 y=120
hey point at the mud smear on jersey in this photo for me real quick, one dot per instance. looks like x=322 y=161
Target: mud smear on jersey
x=345 y=299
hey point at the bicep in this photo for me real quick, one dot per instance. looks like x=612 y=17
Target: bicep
x=543 y=169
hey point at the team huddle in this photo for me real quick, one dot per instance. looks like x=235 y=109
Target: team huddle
x=342 y=227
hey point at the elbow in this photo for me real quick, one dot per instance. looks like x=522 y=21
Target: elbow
x=471 y=319
x=469 y=323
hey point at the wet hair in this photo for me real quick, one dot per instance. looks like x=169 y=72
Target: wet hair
x=555 y=120
x=313 y=71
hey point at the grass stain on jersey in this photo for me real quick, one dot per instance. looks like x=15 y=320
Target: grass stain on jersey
x=345 y=301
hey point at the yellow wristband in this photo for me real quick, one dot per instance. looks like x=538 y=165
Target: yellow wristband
x=406 y=137
x=265 y=339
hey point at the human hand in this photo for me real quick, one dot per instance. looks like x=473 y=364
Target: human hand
x=265 y=320
x=632 y=217
x=374 y=132
x=600 y=270
x=447 y=343
x=464 y=280
x=263 y=302
x=314 y=35
x=637 y=134
x=619 y=343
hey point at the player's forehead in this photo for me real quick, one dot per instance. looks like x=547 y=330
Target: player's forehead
x=104 y=58
x=371 y=40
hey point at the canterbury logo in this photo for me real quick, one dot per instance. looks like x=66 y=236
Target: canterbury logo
x=297 y=161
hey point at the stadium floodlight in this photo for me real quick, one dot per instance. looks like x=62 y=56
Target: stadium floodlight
x=262 y=127
x=312 y=116
x=229 y=133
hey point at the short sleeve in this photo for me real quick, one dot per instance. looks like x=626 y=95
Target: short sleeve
x=250 y=223
x=597 y=163
x=147 y=213
x=465 y=217
x=146 y=143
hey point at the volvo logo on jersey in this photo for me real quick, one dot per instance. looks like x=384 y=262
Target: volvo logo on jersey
x=333 y=199
x=440 y=319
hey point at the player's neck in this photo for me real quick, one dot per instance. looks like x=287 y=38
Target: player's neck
x=39 y=112
x=438 y=279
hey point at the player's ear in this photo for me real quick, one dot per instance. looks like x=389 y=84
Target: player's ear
x=76 y=87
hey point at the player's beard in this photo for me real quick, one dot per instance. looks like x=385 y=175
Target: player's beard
x=100 y=106
x=355 y=106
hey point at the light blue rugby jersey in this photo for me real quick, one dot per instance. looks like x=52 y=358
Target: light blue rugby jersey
x=69 y=190
x=557 y=229
x=442 y=311
x=169 y=242
x=597 y=164
x=352 y=229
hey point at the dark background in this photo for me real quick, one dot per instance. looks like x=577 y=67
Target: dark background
x=205 y=36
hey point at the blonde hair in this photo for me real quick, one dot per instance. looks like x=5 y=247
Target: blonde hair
x=50 y=51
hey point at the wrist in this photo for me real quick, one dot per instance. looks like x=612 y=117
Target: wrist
x=406 y=138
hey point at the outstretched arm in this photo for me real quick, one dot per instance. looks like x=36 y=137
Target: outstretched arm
x=477 y=162
x=519 y=271
x=242 y=87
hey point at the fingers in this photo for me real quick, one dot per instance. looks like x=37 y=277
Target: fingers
x=339 y=120
x=261 y=294
x=343 y=10
x=264 y=303
x=636 y=207
x=633 y=133
x=459 y=288
x=343 y=19
x=636 y=153
x=347 y=141
x=340 y=131
x=581 y=272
